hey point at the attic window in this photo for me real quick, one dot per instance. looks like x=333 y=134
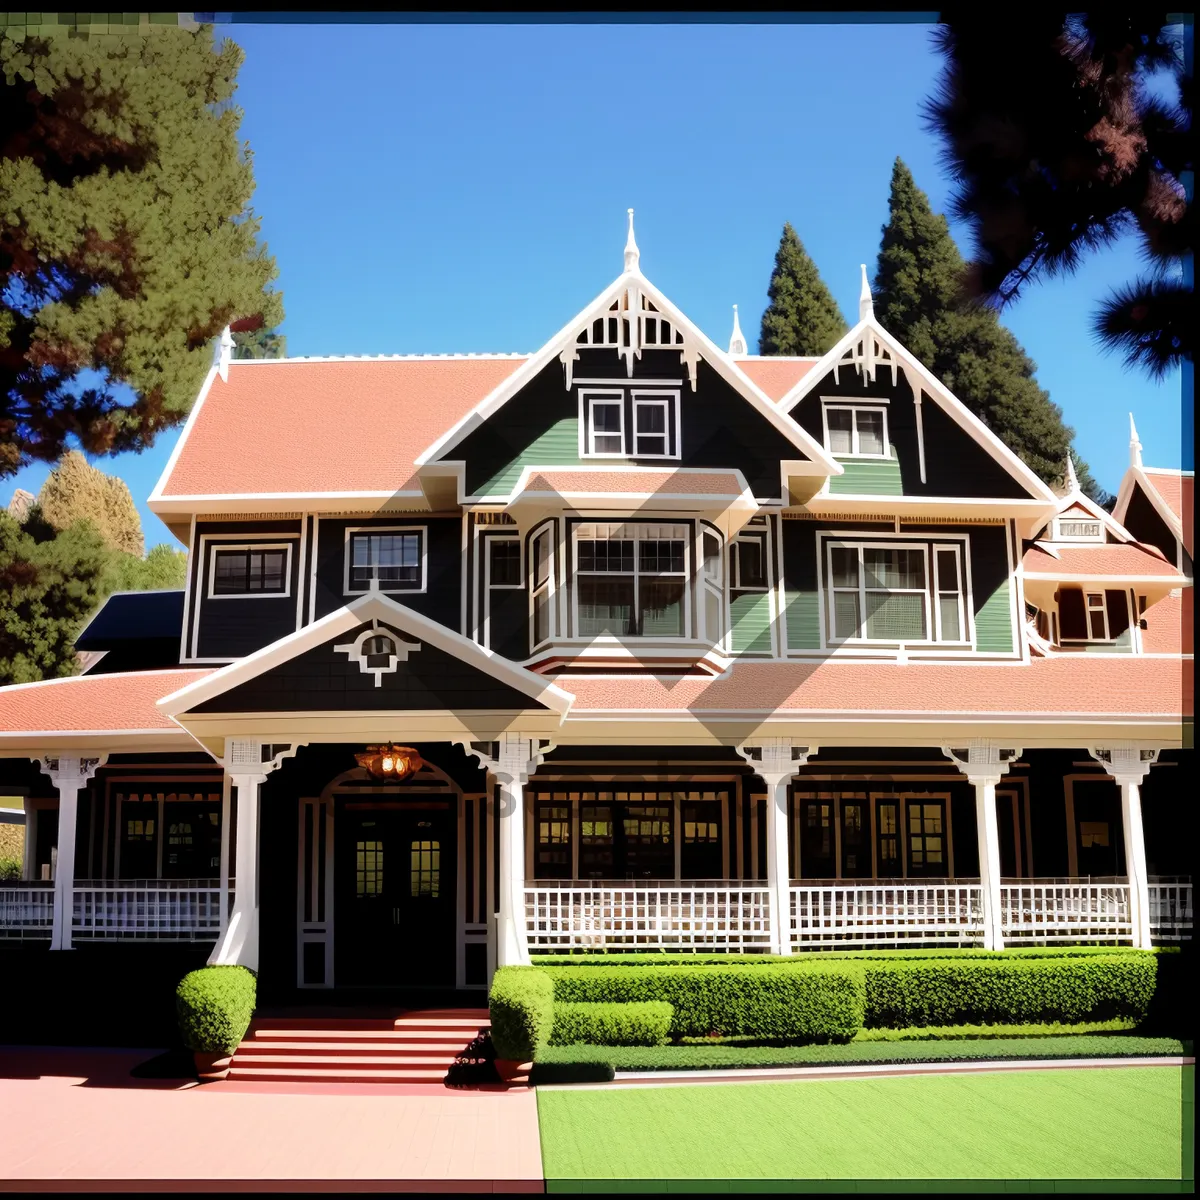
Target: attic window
x=1076 y=529
x=629 y=423
x=856 y=430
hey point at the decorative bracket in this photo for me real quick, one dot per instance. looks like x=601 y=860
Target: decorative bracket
x=254 y=758
x=776 y=758
x=1126 y=764
x=512 y=759
x=981 y=761
x=70 y=770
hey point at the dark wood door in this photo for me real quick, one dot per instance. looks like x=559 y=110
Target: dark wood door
x=394 y=903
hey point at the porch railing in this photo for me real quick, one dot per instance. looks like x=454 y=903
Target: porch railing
x=1069 y=910
x=1171 y=909
x=661 y=916
x=886 y=913
x=163 y=910
x=26 y=910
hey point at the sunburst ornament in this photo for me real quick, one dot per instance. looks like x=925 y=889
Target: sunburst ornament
x=390 y=762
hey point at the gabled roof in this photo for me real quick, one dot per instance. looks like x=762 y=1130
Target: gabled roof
x=441 y=449
x=1171 y=493
x=775 y=375
x=918 y=374
x=371 y=607
x=133 y=617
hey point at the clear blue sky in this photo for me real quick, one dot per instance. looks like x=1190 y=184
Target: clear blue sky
x=431 y=189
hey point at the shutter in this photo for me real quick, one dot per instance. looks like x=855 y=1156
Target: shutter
x=1072 y=618
x=1118 y=613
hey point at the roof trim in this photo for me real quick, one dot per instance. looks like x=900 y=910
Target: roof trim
x=722 y=363
x=945 y=398
x=189 y=425
x=1141 y=477
x=372 y=606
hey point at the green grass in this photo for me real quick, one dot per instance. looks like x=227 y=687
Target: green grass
x=1041 y=1125
x=704 y=1058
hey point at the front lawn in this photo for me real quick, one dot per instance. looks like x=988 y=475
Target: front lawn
x=1098 y=1123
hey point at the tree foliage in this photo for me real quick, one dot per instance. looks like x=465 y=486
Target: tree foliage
x=261 y=343
x=126 y=238
x=1052 y=127
x=919 y=297
x=802 y=318
x=163 y=569
x=77 y=491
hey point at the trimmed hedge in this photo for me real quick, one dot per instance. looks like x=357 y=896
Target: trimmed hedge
x=521 y=1005
x=910 y=993
x=666 y=958
x=819 y=1003
x=644 y=1023
x=214 y=1006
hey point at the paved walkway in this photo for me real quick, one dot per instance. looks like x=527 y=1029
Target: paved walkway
x=77 y=1118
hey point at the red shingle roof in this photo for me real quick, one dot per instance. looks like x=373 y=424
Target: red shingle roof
x=1099 y=562
x=776 y=376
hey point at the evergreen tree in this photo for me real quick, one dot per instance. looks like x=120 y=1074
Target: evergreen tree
x=127 y=242
x=919 y=298
x=163 y=568
x=261 y=343
x=77 y=491
x=802 y=318
x=49 y=582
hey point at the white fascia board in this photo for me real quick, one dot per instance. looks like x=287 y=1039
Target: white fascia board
x=917 y=506
x=219 y=503
x=945 y=399
x=713 y=354
x=1140 y=476
x=205 y=388
x=1170 y=582
x=521 y=488
x=351 y=616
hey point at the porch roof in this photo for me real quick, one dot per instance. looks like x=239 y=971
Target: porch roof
x=1125 y=562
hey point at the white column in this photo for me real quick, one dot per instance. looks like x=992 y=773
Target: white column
x=239 y=942
x=776 y=761
x=985 y=765
x=226 y=817
x=1129 y=768
x=70 y=775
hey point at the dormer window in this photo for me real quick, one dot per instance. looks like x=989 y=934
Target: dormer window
x=1078 y=529
x=633 y=423
x=856 y=430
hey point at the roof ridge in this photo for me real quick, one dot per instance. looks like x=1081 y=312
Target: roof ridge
x=309 y=358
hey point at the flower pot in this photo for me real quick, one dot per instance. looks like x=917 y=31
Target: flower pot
x=513 y=1072
x=211 y=1066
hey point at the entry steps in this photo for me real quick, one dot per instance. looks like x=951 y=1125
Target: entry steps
x=414 y=1047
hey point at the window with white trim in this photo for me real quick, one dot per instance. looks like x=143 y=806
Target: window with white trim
x=713 y=576
x=856 y=430
x=630 y=423
x=392 y=560
x=541 y=585
x=651 y=426
x=605 y=423
x=249 y=571
x=886 y=593
x=504 y=562
x=630 y=580
x=1078 y=529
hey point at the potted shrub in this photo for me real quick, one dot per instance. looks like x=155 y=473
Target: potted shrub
x=521 y=1006
x=214 y=1006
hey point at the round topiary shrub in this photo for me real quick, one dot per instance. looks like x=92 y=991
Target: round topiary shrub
x=214 y=1006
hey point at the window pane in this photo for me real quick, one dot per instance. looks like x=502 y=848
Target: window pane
x=893 y=617
x=894 y=568
x=506 y=562
x=712 y=557
x=870 y=431
x=541 y=559
x=232 y=574
x=651 y=418
x=846 y=620
x=662 y=608
x=606 y=428
x=660 y=556
x=605 y=606
x=845 y=567
x=615 y=554
x=949 y=615
x=947 y=571
x=541 y=617
x=841 y=423
x=1096 y=624
x=752 y=565
x=712 y=614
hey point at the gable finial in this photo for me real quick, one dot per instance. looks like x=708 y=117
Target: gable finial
x=632 y=254
x=865 y=307
x=225 y=353
x=737 y=341
x=1069 y=476
x=1135 y=446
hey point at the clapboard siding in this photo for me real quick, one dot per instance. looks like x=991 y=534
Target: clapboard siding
x=803 y=616
x=868 y=477
x=750 y=623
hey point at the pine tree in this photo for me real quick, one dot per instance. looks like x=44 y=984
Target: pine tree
x=77 y=491
x=163 y=568
x=802 y=318
x=127 y=242
x=919 y=298
x=261 y=343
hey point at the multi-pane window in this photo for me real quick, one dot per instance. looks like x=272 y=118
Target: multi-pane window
x=368 y=869
x=552 y=840
x=817 y=859
x=425 y=868
x=630 y=581
x=926 y=838
x=1076 y=529
x=390 y=560
x=889 y=863
x=887 y=593
x=1097 y=616
x=651 y=419
x=855 y=430
x=168 y=835
x=1094 y=616
x=504 y=562
x=634 y=423
x=249 y=571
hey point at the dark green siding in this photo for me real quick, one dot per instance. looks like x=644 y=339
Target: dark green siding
x=803 y=615
x=750 y=623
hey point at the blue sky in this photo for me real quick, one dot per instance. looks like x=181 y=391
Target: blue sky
x=431 y=189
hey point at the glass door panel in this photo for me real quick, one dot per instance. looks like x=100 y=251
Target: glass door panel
x=817 y=859
x=856 y=838
x=888 y=861
x=927 y=849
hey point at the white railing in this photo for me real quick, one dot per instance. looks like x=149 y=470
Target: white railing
x=1171 y=910
x=886 y=913
x=660 y=916
x=1065 y=910
x=26 y=910
x=163 y=910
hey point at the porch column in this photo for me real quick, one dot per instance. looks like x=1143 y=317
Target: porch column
x=509 y=763
x=70 y=774
x=1129 y=768
x=776 y=761
x=985 y=765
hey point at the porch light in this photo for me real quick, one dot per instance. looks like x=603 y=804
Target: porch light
x=390 y=762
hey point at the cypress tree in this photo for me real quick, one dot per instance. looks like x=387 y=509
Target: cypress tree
x=919 y=298
x=802 y=317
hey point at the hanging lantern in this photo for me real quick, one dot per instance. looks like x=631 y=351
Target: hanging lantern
x=390 y=762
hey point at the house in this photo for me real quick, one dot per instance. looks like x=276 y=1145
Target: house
x=632 y=642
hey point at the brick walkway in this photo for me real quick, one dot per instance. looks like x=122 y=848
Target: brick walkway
x=77 y=1118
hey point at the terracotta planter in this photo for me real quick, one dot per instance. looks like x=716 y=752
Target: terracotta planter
x=211 y=1067
x=513 y=1072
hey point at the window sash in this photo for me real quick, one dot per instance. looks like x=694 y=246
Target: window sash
x=737 y=574
x=851 y=432
x=504 y=562
x=390 y=557
x=249 y=571
x=645 y=407
x=541 y=586
x=596 y=402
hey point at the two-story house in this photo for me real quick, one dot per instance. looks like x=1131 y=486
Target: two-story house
x=632 y=642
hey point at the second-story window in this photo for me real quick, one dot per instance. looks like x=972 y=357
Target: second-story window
x=392 y=560
x=635 y=423
x=249 y=571
x=631 y=580
x=856 y=430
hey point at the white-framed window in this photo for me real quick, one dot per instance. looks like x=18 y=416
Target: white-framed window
x=1097 y=616
x=896 y=593
x=249 y=570
x=541 y=586
x=387 y=558
x=856 y=430
x=605 y=417
x=503 y=566
x=1078 y=529
x=712 y=574
x=630 y=580
x=652 y=433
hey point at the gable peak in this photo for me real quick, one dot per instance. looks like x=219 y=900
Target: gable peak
x=866 y=309
x=737 y=340
x=633 y=255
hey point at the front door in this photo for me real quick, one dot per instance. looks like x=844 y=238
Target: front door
x=394 y=893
